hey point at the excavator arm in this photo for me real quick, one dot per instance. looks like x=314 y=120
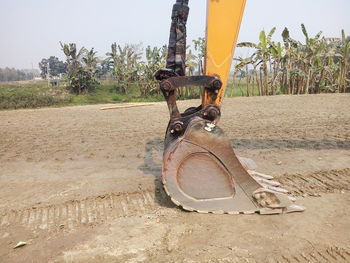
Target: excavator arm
x=200 y=169
x=223 y=23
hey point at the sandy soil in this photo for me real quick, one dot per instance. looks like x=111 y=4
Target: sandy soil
x=83 y=185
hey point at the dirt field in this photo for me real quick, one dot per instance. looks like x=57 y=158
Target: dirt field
x=83 y=185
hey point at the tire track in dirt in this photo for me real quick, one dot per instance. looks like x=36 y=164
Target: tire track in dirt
x=89 y=211
x=98 y=209
x=316 y=183
x=316 y=255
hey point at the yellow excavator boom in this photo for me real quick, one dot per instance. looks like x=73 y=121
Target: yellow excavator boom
x=224 y=19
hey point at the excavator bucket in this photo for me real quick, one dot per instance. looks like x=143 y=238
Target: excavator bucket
x=200 y=169
x=202 y=173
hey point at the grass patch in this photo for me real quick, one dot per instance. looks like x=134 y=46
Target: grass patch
x=36 y=94
x=108 y=93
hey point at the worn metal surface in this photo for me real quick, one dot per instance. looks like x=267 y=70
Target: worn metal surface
x=200 y=169
x=202 y=173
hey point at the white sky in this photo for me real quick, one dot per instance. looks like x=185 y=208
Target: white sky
x=31 y=29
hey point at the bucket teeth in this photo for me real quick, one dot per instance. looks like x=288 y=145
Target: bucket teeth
x=265 y=181
x=270 y=200
x=272 y=197
x=274 y=188
x=260 y=175
x=291 y=198
x=294 y=208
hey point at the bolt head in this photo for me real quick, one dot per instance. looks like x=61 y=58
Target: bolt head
x=177 y=126
x=217 y=84
x=213 y=113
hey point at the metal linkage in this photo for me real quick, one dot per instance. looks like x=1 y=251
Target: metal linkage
x=173 y=77
x=177 y=127
x=170 y=85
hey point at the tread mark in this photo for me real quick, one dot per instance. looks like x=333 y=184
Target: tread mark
x=317 y=254
x=316 y=183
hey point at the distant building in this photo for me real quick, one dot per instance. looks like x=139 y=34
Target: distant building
x=55 y=82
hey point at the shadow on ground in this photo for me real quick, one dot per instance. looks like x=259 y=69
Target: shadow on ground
x=152 y=164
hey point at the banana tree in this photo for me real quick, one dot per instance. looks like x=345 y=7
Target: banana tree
x=155 y=59
x=344 y=51
x=199 y=47
x=277 y=53
x=262 y=54
x=125 y=61
x=79 y=77
x=242 y=63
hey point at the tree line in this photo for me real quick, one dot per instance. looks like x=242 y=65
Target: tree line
x=129 y=66
x=12 y=74
x=316 y=65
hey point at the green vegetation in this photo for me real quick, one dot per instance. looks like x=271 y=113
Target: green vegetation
x=106 y=93
x=126 y=74
x=35 y=94
x=32 y=95
x=82 y=68
x=52 y=67
x=317 y=66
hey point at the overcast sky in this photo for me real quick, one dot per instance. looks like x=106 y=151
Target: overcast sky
x=31 y=29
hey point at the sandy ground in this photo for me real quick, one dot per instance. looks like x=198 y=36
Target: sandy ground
x=83 y=185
